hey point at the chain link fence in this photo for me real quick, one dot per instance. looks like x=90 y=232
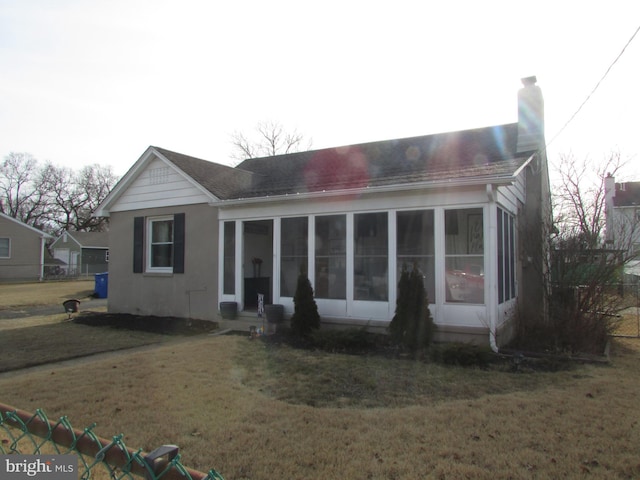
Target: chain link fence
x=28 y=434
x=628 y=322
x=59 y=271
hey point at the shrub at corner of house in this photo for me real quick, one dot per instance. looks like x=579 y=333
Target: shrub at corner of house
x=412 y=325
x=305 y=318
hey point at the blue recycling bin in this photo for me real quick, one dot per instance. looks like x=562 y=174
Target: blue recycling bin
x=102 y=285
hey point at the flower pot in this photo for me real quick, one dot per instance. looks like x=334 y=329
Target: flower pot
x=274 y=313
x=229 y=310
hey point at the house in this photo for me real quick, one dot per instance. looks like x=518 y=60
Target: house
x=22 y=250
x=622 y=216
x=82 y=253
x=470 y=208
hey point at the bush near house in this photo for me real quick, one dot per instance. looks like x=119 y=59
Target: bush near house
x=305 y=318
x=412 y=325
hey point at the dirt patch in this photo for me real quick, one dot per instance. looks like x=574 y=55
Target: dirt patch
x=161 y=325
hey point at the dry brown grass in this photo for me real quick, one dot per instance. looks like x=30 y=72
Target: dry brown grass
x=629 y=323
x=202 y=395
x=52 y=341
x=231 y=404
x=45 y=293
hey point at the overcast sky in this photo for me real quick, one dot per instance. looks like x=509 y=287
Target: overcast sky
x=98 y=81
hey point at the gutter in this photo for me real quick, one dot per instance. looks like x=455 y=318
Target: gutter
x=524 y=165
x=474 y=181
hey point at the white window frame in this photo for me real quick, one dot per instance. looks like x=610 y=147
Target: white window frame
x=8 y=247
x=149 y=243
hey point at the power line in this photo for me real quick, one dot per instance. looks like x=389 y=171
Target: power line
x=595 y=88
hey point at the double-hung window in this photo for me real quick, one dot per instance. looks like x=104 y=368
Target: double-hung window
x=160 y=248
x=5 y=248
x=159 y=244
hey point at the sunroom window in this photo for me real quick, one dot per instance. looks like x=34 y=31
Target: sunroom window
x=415 y=237
x=294 y=257
x=331 y=257
x=506 y=256
x=464 y=255
x=229 y=283
x=371 y=261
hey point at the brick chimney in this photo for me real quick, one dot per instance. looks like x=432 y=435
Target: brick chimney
x=530 y=116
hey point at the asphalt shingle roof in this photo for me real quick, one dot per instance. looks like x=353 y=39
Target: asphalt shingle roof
x=221 y=180
x=477 y=153
x=91 y=239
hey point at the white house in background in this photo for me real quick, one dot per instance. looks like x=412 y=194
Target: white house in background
x=186 y=234
x=22 y=250
x=622 y=213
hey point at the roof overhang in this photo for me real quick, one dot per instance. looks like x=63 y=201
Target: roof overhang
x=479 y=181
x=28 y=227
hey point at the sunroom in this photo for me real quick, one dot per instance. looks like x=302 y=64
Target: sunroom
x=353 y=250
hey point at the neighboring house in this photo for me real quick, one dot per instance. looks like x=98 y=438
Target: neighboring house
x=622 y=213
x=82 y=253
x=22 y=250
x=470 y=208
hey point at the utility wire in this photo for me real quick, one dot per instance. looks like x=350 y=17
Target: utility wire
x=594 y=88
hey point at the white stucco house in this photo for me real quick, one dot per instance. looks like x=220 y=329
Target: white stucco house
x=187 y=234
x=622 y=214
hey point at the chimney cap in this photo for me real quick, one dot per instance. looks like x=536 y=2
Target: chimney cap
x=527 y=81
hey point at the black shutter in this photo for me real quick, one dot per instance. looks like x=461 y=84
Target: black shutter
x=178 y=243
x=138 y=244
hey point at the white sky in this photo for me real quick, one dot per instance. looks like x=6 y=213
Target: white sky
x=98 y=81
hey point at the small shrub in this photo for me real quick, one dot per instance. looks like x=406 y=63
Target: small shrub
x=412 y=326
x=305 y=316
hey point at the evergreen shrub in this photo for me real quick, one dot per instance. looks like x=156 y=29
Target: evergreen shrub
x=305 y=318
x=412 y=325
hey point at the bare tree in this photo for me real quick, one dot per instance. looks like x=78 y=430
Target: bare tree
x=93 y=183
x=53 y=198
x=580 y=197
x=584 y=271
x=22 y=195
x=76 y=195
x=270 y=138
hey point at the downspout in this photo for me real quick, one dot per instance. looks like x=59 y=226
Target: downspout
x=492 y=306
x=43 y=242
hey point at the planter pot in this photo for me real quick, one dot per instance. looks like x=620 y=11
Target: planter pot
x=274 y=313
x=229 y=310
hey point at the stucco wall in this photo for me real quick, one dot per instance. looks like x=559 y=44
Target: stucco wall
x=192 y=294
x=25 y=252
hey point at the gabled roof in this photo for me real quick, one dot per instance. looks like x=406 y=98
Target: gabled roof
x=627 y=194
x=479 y=153
x=221 y=180
x=469 y=154
x=89 y=239
x=22 y=224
